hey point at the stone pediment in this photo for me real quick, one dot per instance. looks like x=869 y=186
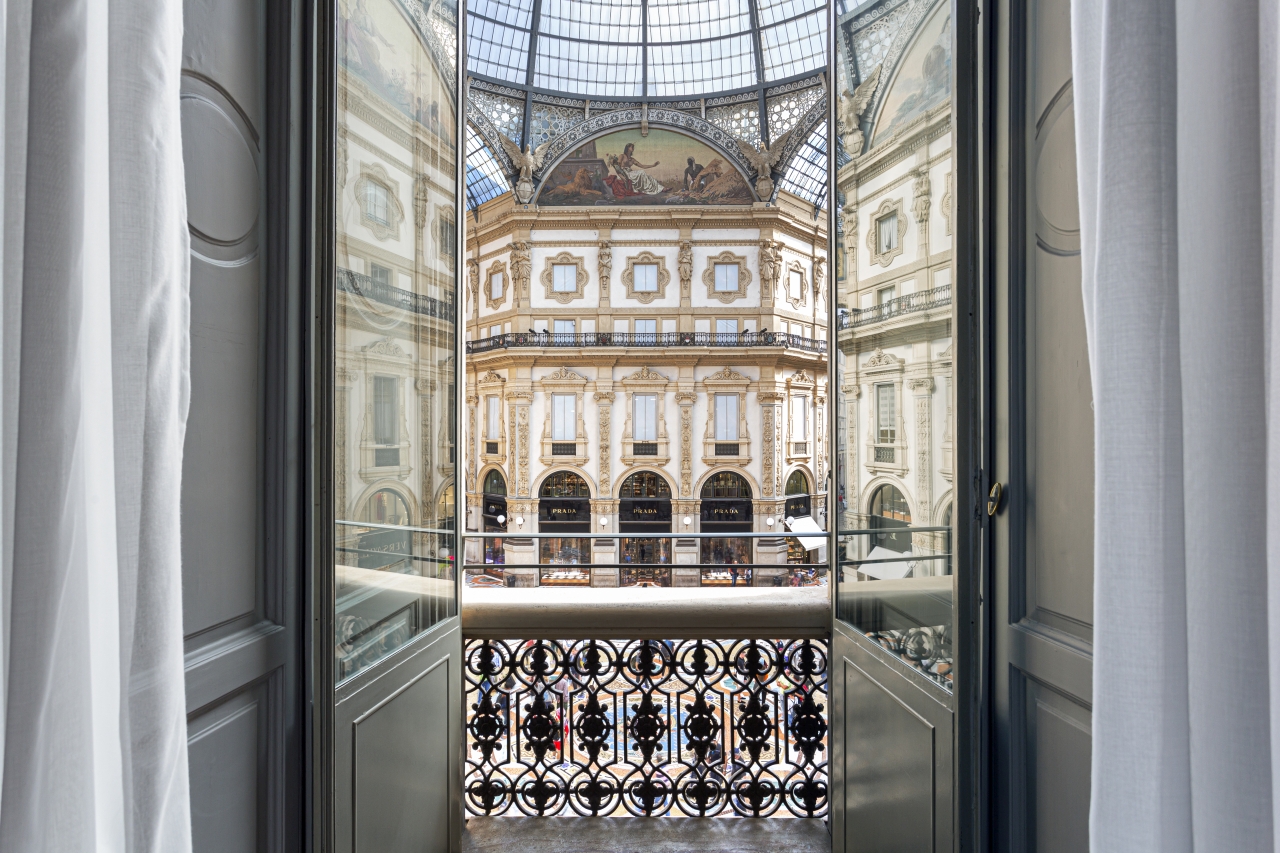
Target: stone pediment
x=644 y=374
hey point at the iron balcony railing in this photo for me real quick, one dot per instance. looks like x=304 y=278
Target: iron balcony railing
x=908 y=304
x=544 y=340
x=384 y=294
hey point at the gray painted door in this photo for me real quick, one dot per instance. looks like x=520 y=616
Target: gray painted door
x=1041 y=611
x=239 y=569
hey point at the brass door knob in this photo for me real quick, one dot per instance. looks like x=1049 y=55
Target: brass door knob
x=993 y=499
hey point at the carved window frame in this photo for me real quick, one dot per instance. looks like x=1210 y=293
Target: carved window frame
x=726 y=381
x=887 y=207
x=645 y=381
x=794 y=267
x=496 y=268
x=444 y=248
x=801 y=384
x=885 y=369
x=492 y=384
x=564 y=297
x=385 y=357
x=629 y=277
x=709 y=277
x=565 y=381
x=375 y=173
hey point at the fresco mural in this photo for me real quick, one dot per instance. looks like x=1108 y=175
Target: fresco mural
x=380 y=47
x=924 y=78
x=664 y=167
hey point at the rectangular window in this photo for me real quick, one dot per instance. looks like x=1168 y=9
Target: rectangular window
x=380 y=275
x=726 y=417
x=564 y=278
x=645 y=277
x=494 y=421
x=564 y=423
x=564 y=327
x=886 y=294
x=887 y=233
x=646 y=327
x=385 y=391
x=447 y=237
x=645 y=417
x=377 y=203
x=797 y=284
x=726 y=327
x=886 y=417
x=726 y=277
x=494 y=331
x=799 y=419
x=495 y=286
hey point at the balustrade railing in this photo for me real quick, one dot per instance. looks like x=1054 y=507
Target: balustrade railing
x=349 y=281
x=908 y=304
x=645 y=727
x=512 y=340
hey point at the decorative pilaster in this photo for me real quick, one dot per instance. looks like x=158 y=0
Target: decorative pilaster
x=341 y=418
x=470 y=443
x=686 y=400
x=684 y=264
x=522 y=445
x=923 y=201
x=605 y=271
x=771 y=443
x=473 y=286
x=923 y=390
x=426 y=387
x=604 y=410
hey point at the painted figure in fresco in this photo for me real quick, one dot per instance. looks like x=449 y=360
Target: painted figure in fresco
x=691 y=175
x=632 y=179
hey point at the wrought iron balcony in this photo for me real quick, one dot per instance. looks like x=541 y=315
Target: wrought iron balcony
x=547 y=340
x=349 y=281
x=692 y=727
x=911 y=303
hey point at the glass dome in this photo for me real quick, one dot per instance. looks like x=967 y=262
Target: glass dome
x=644 y=49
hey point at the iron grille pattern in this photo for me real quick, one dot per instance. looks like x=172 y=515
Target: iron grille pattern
x=512 y=340
x=726 y=448
x=564 y=448
x=491 y=448
x=646 y=727
x=885 y=454
x=922 y=300
x=644 y=448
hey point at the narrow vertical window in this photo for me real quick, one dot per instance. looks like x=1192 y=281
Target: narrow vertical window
x=385 y=391
x=564 y=424
x=645 y=417
x=645 y=277
x=377 y=203
x=726 y=416
x=380 y=275
x=799 y=419
x=887 y=233
x=886 y=417
x=494 y=420
x=495 y=286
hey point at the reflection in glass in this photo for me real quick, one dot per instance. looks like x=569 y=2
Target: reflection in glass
x=894 y=472
x=395 y=227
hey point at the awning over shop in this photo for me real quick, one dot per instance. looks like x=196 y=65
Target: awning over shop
x=892 y=570
x=806 y=524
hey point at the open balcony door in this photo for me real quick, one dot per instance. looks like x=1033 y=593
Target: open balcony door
x=1041 y=610
x=391 y=640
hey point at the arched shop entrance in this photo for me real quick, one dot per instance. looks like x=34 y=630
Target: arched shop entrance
x=726 y=508
x=494 y=515
x=890 y=515
x=644 y=512
x=378 y=547
x=799 y=506
x=564 y=508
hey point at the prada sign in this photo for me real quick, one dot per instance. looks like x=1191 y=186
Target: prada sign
x=645 y=510
x=718 y=512
x=564 y=510
x=797 y=506
x=494 y=507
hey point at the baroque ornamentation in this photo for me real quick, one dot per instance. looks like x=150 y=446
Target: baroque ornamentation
x=686 y=400
x=852 y=106
x=685 y=266
x=522 y=418
x=946 y=203
x=644 y=374
x=629 y=277
x=564 y=374
x=604 y=409
x=796 y=291
x=766 y=458
x=580 y=278
x=744 y=276
x=386 y=346
x=384 y=227
x=923 y=197
x=521 y=267
x=880 y=358
x=889 y=207
x=499 y=269
x=473 y=280
x=605 y=264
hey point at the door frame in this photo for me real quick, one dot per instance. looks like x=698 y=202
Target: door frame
x=973 y=135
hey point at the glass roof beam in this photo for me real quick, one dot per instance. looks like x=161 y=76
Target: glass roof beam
x=535 y=27
x=762 y=107
x=652 y=100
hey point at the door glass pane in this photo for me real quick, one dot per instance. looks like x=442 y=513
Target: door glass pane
x=895 y=390
x=394 y=222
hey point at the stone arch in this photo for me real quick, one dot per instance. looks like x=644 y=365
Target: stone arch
x=756 y=492
x=617 y=491
x=392 y=485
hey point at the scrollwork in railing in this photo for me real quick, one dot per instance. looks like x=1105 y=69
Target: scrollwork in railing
x=910 y=303
x=646 y=727
x=927 y=649
x=645 y=339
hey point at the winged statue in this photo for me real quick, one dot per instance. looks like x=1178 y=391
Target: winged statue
x=763 y=160
x=852 y=106
x=527 y=161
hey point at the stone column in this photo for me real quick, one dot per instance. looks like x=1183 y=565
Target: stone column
x=604 y=550
x=686 y=399
x=686 y=553
x=604 y=414
x=520 y=550
x=470 y=446
x=771 y=464
x=771 y=552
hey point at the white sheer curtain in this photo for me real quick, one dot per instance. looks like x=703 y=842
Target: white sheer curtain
x=1176 y=129
x=94 y=356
